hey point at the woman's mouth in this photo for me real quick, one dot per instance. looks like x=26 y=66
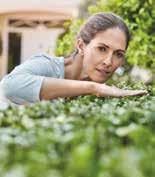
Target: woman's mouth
x=103 y=72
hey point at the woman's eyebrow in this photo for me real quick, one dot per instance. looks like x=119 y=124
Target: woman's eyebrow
x=121 y=50
x=104 y=45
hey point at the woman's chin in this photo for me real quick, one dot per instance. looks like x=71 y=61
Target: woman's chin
x=99 y=79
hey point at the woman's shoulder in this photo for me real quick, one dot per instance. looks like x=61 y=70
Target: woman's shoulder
x=47 y=57
x=41 y=64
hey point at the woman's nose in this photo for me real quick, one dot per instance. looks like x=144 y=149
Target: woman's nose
x=108 y=60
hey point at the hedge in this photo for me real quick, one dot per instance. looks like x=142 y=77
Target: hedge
x=85 y=136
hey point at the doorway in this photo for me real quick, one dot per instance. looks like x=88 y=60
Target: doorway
x=14 y=50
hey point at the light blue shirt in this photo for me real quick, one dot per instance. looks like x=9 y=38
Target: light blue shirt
x=23 y=84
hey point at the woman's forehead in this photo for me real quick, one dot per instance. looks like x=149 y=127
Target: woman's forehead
x=112 y=37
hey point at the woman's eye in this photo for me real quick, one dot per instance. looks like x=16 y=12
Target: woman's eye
x=120 y=55
x=102 y=49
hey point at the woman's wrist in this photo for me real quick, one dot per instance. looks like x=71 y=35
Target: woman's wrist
x=93 y=88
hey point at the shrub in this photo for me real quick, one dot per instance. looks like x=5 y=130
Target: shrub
x=81 y=137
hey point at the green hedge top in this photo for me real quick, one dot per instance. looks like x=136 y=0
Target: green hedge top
x=81 y=137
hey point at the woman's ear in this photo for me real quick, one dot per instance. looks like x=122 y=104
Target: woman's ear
x=80 y=45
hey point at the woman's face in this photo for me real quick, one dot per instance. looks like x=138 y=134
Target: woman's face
x=104 y=54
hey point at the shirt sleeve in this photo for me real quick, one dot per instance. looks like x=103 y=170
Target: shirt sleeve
x=22 y=88
x=23 y=84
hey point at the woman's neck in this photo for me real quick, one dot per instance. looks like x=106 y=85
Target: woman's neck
x=74 y=67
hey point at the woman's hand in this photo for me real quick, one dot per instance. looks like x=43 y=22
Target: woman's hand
x=105 y=90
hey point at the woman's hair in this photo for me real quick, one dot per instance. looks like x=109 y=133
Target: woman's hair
x=101 y=22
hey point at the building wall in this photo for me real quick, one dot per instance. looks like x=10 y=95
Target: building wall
x=0 y=67
x=34 y=40
x=33 y=9
x=38 y=41
x=2 y=20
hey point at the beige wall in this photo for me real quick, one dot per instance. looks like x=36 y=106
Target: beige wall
x=4 y=29
x=0 y=68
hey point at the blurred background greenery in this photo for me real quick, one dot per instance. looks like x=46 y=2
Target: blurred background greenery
x=139 y=16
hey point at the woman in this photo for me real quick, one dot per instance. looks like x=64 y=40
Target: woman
x=99 y=50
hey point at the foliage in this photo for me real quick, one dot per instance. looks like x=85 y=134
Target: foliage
x=140 y=17
x=81 y=137
x=65 y=44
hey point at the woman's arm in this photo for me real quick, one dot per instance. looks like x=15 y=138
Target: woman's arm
x=54 y=88
x=26 y=88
